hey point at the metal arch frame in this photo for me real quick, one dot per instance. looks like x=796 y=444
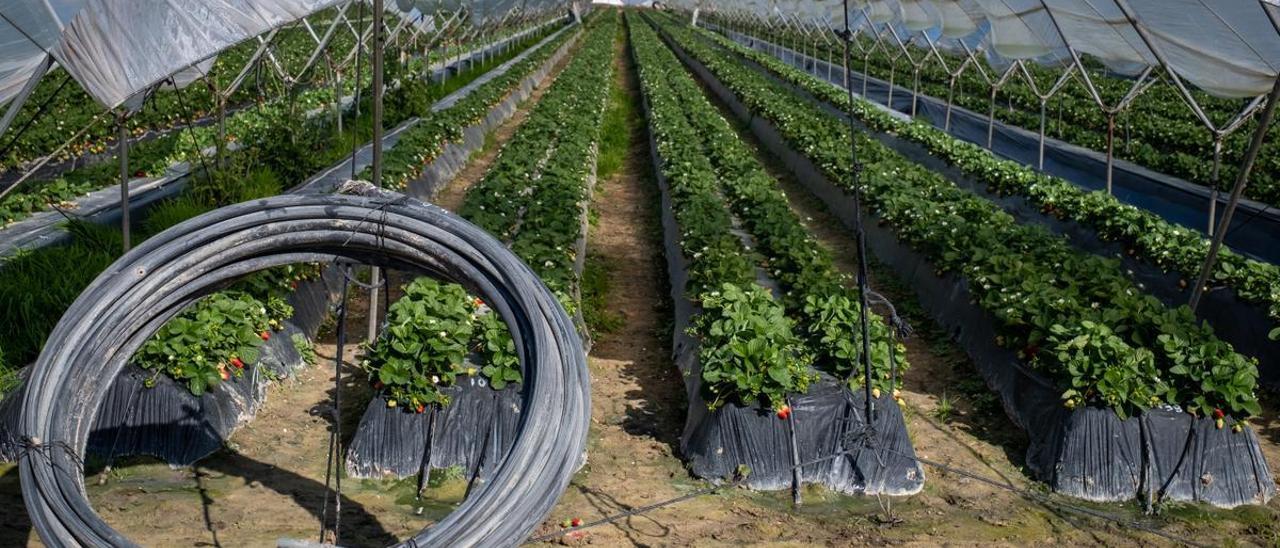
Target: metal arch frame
x=1218 y=134
x=893 y=62
x=918 y=66
x=1044 y=97
x=1143 y=82
x=1242 y=179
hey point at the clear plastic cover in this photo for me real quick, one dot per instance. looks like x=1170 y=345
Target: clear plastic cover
x=1228 y=48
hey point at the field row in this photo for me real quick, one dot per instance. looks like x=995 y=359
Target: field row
x=1074 y=317
x=754 y=344
x=533 y=198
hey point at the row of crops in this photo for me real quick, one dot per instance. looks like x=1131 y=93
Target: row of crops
x=1145 y=237
x=776 y=324
x=1047 y=295
x=533 y=199
x=719 y=191
x=281 y=147
x=1157 y=130
x=445 y=359
x=1058 y=333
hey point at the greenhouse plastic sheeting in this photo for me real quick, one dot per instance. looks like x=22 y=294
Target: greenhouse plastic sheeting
x=476 y=430
x=1253 y=228
x=170 y=423
x=1228 y=49
x=823 y=422
x=28 y=31
x=1087 y=453
x=117 y=49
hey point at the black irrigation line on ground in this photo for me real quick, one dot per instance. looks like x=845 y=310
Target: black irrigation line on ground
x=1024 y=493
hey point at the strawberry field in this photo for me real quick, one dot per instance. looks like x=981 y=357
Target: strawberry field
x=503 y=273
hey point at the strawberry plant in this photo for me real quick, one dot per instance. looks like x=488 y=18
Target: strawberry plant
x=749 y=350
x=427 y=337
x=197 y=347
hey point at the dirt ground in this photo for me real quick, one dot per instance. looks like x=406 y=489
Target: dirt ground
x=270 y=481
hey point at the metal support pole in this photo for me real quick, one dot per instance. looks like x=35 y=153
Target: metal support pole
x=915 y=92
x=337 y=99
x=375 y=274
x=122 y=145
x=866 y=62
x=863 y=277
x=1111 y=147
x=1242 y=179
x=893 y=69
x=951 y=95
x=830 y=63
x=1043 y=104
x=991 y=117
x=222 y=129
x=1215 y=182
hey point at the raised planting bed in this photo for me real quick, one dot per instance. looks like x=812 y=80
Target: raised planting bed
x=1089 y=436
x=451 y=66
x=768 y=354
x=1244 y=305
x=449 y=381
x=148 y=412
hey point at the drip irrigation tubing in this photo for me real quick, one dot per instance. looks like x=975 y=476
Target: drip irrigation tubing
x=157 y=280
x=742 y=480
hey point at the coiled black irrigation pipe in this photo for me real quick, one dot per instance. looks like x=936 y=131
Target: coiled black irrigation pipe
x=120 y=310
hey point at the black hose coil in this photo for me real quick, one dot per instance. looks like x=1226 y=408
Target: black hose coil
x=129 y=301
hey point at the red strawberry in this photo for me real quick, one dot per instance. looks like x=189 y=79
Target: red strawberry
x=237 y=362
x=784 y=412
x=293 y=285
x=422 y=408
x=477 y=302
x=577 y=522
x=139 y=173
x=1031 y=351
x=266 y=335
x=1217 y=413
